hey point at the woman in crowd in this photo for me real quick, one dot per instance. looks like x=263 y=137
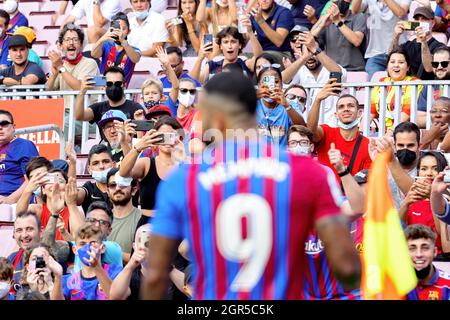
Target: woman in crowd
x=189 y=32
x=416 y=208
x=263 y=60
x=274 y=115
x=42 y=273
x=222 y=13
x=150 y=171
x=397 y=69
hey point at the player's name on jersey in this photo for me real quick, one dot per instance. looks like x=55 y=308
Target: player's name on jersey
x=258 y=167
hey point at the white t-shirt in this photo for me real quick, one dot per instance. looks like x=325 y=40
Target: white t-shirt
x=86 y=8
x=152 y=30
x=159 y=5
x=305 y=77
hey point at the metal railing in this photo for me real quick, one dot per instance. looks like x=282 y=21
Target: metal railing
x=33 y=92
x=47 y=127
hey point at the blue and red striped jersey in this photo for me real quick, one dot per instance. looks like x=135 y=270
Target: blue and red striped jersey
x=246 y=211
x=438 y=288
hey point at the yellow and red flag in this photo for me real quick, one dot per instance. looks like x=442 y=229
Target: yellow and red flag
x=388 y=272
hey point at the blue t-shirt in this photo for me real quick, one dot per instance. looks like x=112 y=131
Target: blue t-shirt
x=112 y=255
x=4 y=54
x=280 y=17
x=76 y=287
x=422 y=101
x=299 y=6
x=109 y=56
x=14 y=157
x=273 y=123
x=19 y=20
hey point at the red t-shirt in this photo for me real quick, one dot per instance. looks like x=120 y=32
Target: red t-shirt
x=330 y=135
x=186 y=121
x=419 y=212
x=45 y=217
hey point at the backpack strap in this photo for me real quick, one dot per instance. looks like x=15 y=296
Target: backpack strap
x=355 y=153
x=16 y=261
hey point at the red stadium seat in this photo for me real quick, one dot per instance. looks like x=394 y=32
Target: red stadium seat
x=40 y=47
x=138 y=78
x=27 y=6
x=378 y=75
x=40 y=19
x=148 y=64
x=49 y=33
x=54 y=5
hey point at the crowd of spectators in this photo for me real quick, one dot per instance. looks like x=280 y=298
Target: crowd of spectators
x=89 y=241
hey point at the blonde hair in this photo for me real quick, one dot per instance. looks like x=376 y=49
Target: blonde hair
x=87 y=231
x=152 y=82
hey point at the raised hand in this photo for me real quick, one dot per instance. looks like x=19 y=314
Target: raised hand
x=70 y=152
x=55 y=199
x=161 y=54
x=331 y=88
x=336 y=158
x=71 y=192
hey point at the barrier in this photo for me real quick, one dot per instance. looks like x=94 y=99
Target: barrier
x=26 y=92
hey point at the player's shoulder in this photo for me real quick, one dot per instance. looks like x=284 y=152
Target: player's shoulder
x=307 y=164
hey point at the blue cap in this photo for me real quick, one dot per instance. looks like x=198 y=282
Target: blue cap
x=111 y=115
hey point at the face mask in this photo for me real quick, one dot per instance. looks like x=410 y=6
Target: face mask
x=268 y=100
x=151 y=104
x=186 y=99
x=4 y=289
x=348 y=126
x=406 y=157
x=343 y=6
x=221 y=4
x=114 y=93
x=141 y=15
x=10 y=6
x=422 y=274
x=122 y=181
x=300 y=150
x=38 y=192
x=295 y=104
x=100 y=176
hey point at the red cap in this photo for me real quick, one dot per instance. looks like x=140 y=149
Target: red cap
x=158 y=110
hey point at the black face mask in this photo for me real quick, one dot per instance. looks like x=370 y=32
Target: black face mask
x=343 y=6
x=151 y=104
x=422 y=274
x=114 y=93
x=406 y=157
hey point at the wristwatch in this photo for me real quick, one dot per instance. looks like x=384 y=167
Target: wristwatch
x=343 y=173
x=318 y=50
x=62 y=69
x=339 y=24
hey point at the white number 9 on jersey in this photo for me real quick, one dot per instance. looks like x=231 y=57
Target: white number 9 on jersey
x=254 y=251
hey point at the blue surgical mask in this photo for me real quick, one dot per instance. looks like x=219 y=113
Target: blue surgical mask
x=141 y=15
x=348 y=126
x=300 y=150
x=268 y=100
x=297 y=105
x=100 y=176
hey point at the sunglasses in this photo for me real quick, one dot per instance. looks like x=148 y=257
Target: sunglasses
x=191 y=91
x=273 y=65
x=114 y=83
x=292 y=96
x=4 y=123
x=113 y=185
x=435 y=64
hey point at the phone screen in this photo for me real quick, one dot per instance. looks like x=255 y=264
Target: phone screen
x=143 y=125
x=208 y=38
x=100 y=81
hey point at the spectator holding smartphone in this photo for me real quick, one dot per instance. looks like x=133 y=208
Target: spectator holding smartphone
x=114 y=49
x=274 y=115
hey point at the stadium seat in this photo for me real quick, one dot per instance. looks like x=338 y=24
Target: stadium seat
x=8 y=244
x=138 y=78
x=6 y=213
x=189 y=63
x=47 y=64
x=357 y=76
x=49 y=33
x=83 y=178
x=82 y=163
x=40 y=19
x=378 y=75
x=29 y=6
x=169 y=13
x=440 y=36
x=40 y=47
x=148 y=64
x=88 y=145
x=54 y=6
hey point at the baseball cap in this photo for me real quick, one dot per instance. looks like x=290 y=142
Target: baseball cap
x=18 y=40
x=27 y=32
x=424 y=11
x=111 y=115
x=299 y=28
x=158 y=110
x=361 y=176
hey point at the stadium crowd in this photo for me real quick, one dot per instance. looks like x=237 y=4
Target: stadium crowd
x=89 y=241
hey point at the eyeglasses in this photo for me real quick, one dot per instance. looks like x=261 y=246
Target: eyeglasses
x=114 y=83
x=74 y=40
x=273 y=65
x=99 y=221
x=191 y=91
x=4 y=123
x=303 y=143
x=435 y=64
x=292 y=96
x=114 y=185
x=176 y=65
x=294 y=38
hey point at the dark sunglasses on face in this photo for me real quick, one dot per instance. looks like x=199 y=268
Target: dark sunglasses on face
x=5 y=123
x=292 y=96
x=435 y=64
x=114 y=83
x=113 y=186
x=191 y=91
x=294 y=38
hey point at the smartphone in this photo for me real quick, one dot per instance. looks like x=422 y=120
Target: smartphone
x=51 y=178
x=143 y=241
x=100 y=81
x=167 y=138
x=115 y=24
x=176 y=21
x=40 y=262
x=447 y=176
x=269 y=81
x=410 y=25
x=143 y=125
x=208 y=38
x=337 y=76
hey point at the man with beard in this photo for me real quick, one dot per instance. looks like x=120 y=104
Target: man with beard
x=347 y=138
x=115 y=83
x=125 y=215
x=343 y=35
x=22 y=71
x=433 y=284
x=70 y=67
x=312 y=66
x=441 y=70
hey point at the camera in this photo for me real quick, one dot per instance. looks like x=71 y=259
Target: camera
x=176 y=21
x=40 y=262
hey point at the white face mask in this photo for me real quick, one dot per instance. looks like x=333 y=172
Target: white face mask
x=186 y=99
x=123 y=181
x=4 y=289
x=100 y=176
x=10 y=6
x=141 y=15
x=348 y=126
x=221 y=4
x=300 y=150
